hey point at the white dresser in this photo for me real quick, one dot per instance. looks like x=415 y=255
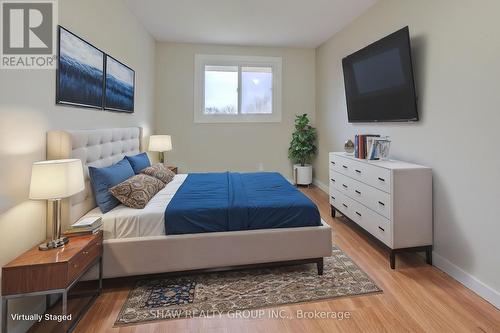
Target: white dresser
x=391 y=200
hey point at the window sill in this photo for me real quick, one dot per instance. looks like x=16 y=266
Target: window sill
x=210 y=119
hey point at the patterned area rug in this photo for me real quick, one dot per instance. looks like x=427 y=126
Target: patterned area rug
x=223 y=292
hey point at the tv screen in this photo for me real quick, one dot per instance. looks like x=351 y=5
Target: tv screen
x=379 y=81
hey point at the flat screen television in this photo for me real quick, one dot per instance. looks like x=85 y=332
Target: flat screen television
x=379 y=82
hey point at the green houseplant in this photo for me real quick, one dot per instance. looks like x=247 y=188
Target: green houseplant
x=302 y=149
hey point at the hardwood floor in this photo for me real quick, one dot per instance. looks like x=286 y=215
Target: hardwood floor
x=416 y=298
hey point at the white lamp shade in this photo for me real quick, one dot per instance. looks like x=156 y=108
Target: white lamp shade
x=160 y=143
x=56 y=179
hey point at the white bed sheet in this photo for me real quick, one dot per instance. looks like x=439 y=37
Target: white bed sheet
x=126 y=222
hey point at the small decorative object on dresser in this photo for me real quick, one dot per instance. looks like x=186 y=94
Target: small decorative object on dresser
x=161 y=144
x=302 y=150
x=391 y=200
x=349 y=147
x=36 y=273
x=55 y=180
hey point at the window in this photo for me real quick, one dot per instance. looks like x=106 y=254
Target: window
x=237 y=89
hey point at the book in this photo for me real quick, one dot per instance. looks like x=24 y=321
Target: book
x=78 y=232
x=370 y=139
x=356 y=145
x=87 y=222
x=362 y=147
x=84 y=229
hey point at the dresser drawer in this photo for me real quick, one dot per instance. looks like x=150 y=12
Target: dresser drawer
x=341 y=164
x=81 y=260
x=366 y=218
x=382 y=230
x=373 y=198
x=374 y=223
x=348 y=207
x=341 y=202
x=365 y=172
x=378 y=177
x=340 y=182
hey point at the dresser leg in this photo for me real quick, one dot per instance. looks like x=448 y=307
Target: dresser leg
x=392 y=258
x=4 y=315
x=428 y=255
x=333 y=210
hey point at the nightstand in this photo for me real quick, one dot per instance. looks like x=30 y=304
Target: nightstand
x=54 y=271
x=172 y=168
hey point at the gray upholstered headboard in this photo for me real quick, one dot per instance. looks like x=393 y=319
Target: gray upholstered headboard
x=98 y=148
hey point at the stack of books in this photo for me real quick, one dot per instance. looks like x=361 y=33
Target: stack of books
x=85 y=226
x=364 y=147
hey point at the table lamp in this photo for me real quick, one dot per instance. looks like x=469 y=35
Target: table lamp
x=55 y=180
x=160 y=143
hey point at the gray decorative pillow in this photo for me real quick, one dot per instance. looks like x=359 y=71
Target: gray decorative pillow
x=160 y=172
x=136 y=191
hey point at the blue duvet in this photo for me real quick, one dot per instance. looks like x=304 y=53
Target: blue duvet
x=211 y=202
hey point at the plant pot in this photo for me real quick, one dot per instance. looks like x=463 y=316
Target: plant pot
x=303 y=175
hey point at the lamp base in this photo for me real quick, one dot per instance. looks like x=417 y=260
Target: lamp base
x=54 y=244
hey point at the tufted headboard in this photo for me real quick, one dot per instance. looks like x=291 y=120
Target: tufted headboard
x=98 y=148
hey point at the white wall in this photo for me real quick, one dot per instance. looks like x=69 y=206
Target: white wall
x=228 y=146
x=27 y=112
x=456 y=58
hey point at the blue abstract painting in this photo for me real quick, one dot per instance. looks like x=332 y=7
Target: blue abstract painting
x=80 y=76
x=119 y=91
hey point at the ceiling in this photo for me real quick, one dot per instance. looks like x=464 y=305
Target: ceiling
x=287 y=23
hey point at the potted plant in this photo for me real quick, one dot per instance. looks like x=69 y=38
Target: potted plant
x=302 y=149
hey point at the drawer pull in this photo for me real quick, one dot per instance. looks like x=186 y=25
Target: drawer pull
x=333 y=180
x=344 y=185
x=344 y=205
x=333 y=197
x=358 y=192
x=358 y=214
x=381 y=228
x=344 y=166
x=381 y=203
x=75 y=265
x=85 y=252
x=381 y=179
x=358 y=171
x=333 y=163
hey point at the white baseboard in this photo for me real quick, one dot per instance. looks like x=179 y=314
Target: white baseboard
x=321 y=186
x=469 y=281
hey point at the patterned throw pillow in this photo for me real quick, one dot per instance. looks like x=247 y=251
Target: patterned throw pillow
x=160 y=172
x=136 y=191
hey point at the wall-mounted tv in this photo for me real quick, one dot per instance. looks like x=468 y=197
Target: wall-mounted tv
x=379 y=82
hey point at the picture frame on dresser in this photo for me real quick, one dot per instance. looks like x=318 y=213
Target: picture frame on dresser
x=391 y=200
x=80 y=71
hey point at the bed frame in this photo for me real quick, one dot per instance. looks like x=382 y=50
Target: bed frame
x=175 y=253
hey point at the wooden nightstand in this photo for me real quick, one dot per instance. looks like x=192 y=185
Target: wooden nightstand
x=172 y=168
x=54 y=271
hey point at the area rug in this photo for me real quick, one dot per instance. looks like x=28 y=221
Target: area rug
x=211 y=294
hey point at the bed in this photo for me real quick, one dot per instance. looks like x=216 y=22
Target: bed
x=135 y=240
